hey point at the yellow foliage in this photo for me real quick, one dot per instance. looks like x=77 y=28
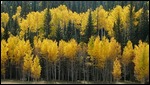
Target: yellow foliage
x=27 y=63
x=141 y=61
x=4 y=56
x=84 y=20
x=102 y=15
x=114 y=49
x=49 y=49
x=24 y=25
x=62 y=44
x=4 y=50
x=4 y=18
x=116 y=69
x=12 y=42
x=36 y=68
x=22 y=48
x=2 y=30
x=52 y=51
x=91 y=46
x=138 y=13
x=17 y=15
x=35 y=20
x=70 y=49
x=127 y=53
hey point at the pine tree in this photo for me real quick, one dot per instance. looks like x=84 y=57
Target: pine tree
x=47 y=19
x=89 y=28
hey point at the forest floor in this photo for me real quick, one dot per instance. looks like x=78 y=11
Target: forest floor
x=57 y=82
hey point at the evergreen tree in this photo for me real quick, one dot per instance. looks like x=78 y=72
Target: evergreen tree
x=47 y=20
x=58 y=33
x=89 y=28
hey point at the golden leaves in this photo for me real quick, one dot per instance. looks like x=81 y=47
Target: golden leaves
x=70 y=49
x=4 y=50
x=17 y=15
x=116 y=69
x=49 y=49
x=2 y=30
x=4 y=56
x=141 y=60
x=127 y=53
x=36 y=68
x=27 y=62
x=4 y=18
x=103 y=49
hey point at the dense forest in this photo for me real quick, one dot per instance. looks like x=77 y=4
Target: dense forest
x=100 y=41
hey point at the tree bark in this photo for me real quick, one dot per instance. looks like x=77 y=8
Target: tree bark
x=72 y=71
x=47 y=70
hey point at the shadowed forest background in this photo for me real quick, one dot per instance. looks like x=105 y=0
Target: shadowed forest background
x=98 y=41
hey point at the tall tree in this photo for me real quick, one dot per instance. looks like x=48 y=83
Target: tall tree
x=141 y=61
x=116 y=70
x=36 y=69
x=47 y=19
x=89 y=28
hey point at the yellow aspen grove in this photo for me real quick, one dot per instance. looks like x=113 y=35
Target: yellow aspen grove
x=2 y=31
x=12 y=42
x=101 y=15
x=115 y=49
x=4 y=19
x=84 y=20
x=4 y=56
x=62 y=44
x=52 y=51
x=75 y=41
x=127 y=57
x=91 y=46
x=27 y=64
x=49 y=49
x=37 y=45
x=17 y=15
x=127 y=53
x=141 y=61
x=137 y=16
x=36 y=69
x=70 y=49
x=20 y=50
x=35 y=21
x=116 y=70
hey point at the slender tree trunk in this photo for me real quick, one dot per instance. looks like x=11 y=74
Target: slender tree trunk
x=55 y=71
x=16 y=72
x=101 y=33
x=96 y=74
x=68 y=71
x=79 y=74
x=46 y=70
x=97 y=24
x=50 y=72
x=104 y=32
x=28 y=76
x=72 y=69
x=87 y=73
x=124 y=73
x=59 y=70
x=76 y=73
x=84 y=72
x=10 y=70
x=62 y=74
